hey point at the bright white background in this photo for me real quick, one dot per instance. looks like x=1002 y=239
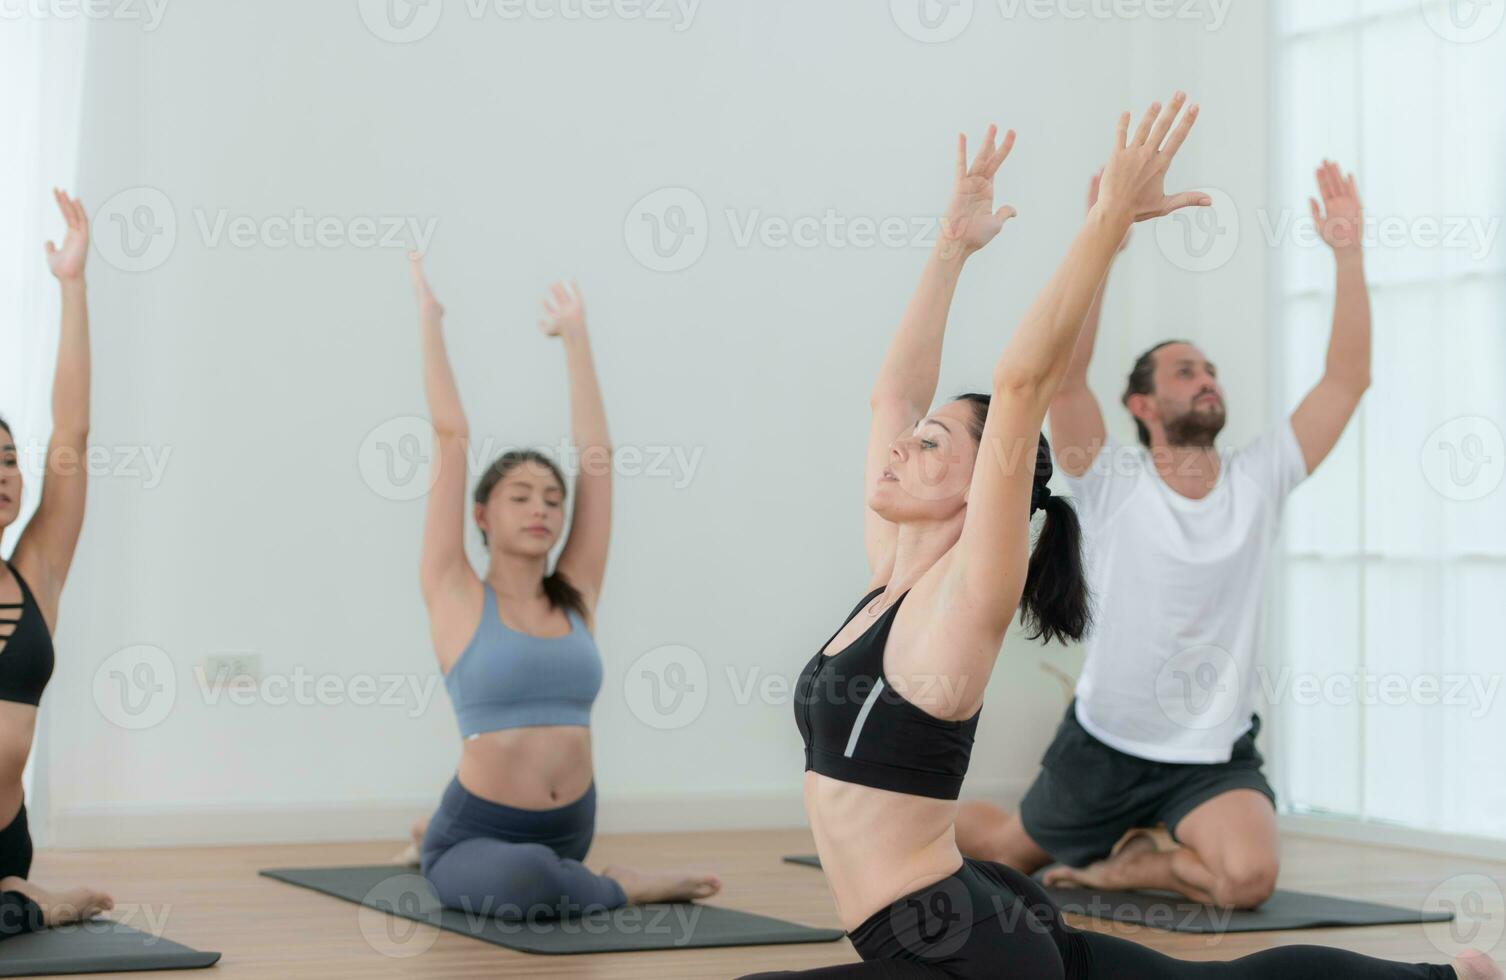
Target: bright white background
x=262 y=371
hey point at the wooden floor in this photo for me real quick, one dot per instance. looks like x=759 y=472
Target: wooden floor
x=213 y=899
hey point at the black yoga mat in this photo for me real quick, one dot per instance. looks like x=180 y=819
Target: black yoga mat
x=657 y=925
x=96 y=946
x=1283 y=910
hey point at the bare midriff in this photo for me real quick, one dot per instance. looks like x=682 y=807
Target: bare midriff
x=876 y=845
x=540 y=767
x=18 y=724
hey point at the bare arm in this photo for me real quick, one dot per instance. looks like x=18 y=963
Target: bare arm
x=1077 y=430
x=989 y=571
x=45 y=551
x=583 y=560
x=907 y=380
x=443 y=568
x=1321 y=417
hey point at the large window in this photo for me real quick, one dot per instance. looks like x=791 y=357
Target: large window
x=1387 y=684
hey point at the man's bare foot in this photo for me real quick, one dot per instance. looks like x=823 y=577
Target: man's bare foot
x=410 y=854
x=1108 y=874
x=1475 y=965
x=61 y=908
x=668 y=887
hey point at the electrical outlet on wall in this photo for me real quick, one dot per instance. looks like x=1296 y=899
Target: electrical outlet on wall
x=232 y=670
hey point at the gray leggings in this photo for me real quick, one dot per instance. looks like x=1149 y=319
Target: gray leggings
x=490 y=859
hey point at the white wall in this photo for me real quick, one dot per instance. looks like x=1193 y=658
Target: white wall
x=262 y=370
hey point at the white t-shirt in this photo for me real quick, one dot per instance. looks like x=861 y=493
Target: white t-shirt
x=1177 y=594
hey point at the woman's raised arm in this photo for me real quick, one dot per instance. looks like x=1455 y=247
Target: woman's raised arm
x=907 y=380
x=45 y=549
x=992 y=552
x=583 y=560
x=443 y=567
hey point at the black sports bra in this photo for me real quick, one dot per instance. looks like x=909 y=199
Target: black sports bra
x=26 y=655
x=860 y=730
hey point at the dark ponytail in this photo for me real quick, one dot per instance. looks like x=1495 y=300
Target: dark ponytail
x=1054 y=604
x=557 y=589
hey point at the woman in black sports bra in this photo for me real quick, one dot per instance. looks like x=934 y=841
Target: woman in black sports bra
x=30 y=583
x=888 y=707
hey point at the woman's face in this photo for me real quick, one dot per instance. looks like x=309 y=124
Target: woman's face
x=525 y=512
x=10 y=480
x=930 y=468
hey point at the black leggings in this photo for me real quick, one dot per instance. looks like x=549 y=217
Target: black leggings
x=18 y=913
x=987 y=920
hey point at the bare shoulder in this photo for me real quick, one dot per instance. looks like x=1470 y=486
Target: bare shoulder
x=942 y=650
x=454 y=615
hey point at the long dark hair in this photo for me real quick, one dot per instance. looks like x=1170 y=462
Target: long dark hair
x=1055 y=602
x=6 y=426
x=557 y=589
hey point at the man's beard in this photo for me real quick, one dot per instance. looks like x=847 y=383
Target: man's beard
x=1195 y=428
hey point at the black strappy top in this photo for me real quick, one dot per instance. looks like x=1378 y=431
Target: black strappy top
x=26 y=654
x=860 y=730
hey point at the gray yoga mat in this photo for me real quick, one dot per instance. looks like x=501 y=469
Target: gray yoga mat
x=96 y=946
x=658 y=925
x=1283 y=910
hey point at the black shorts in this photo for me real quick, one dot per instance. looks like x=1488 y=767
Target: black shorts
x=15 y=847
x=1088 y=794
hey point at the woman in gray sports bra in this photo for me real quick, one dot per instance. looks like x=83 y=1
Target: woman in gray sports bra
x=516 y=648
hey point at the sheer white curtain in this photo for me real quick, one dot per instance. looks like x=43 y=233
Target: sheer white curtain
x=41 y=77
x=1389 y=696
